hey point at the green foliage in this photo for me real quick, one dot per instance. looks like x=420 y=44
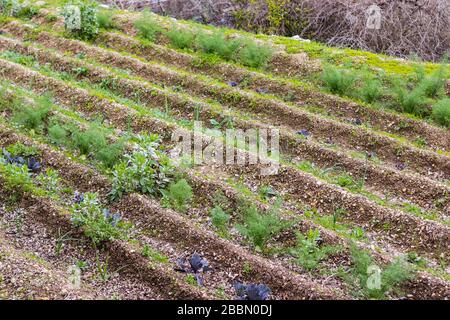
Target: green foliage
x=89 y=141
x=370 y=91
x=191 y=280
x=441 y=112
x=178 y=195
x=18 y=9
x=345 y=180
x=255 y=55
x=49 y=180
x=337 y=80
x=433 y=85
x=96 y=224
x=16 y=177
x=308 y=253
x=147 y=27
x=105 y=19
x=32 y=117
x=80 y=19
x=152 y=254
x=109 y=155
x=259 y=228
x=19 y=149
x=180 y=38
x=58 y=134
x=412 y=102
x=217 y=43
x=220 y=219
x=146 y=169
x=390 y=277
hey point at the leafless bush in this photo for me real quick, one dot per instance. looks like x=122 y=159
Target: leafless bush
x=420 y=27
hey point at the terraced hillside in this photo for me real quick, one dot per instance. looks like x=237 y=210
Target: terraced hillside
x=92 y=206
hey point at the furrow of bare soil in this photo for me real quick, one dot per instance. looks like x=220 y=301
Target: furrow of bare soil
x=278 y=114
x=228 y=260
x=302 y=95
x=26 y=276
x=418 y=189
x=132 y=275
x=428 y=236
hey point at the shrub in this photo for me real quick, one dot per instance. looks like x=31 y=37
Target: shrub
x=146 y=169
x=211 y=43
x=147 y=27
x=259 y=228
x=178 y=195
x=308 y=253
x=105 y=20
x=32 y=117
x=433 y=85
x=181 y=38
x=16 y=176
x=89 y=141
x=338 y=81
x=80 y=18
x=217 y=43
x=255 y=55
x=111 y=154
x=97 y=223
x=49 y=180
x=58 y=134
x=370 y=91
x=220 y=219
x=441 y=112
x=391 y=276
x=411 y=101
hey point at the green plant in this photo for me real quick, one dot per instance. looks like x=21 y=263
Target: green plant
x=370 y=91
x=147 y=27
x=410 y=101
x=441 y=112
x=146 y=169
x=96 y=222
x=337 y=80
x=434 y=84
x=19 y=149
x=308 y=253
x=259 y=228
x=80 y=19
x=180 y=37
x=102 y=269
x=16 y=177
x=110 y=154
x=247 y=268
x=32 y=117
x=57 y=134
x=376 y=282
x=191 y=280
x=26 y=60
x=150 y=253
x=178 y=195
x=105 y=19
x=220 y=219
x=255 y=55
x=89 y=141
x=49 y=180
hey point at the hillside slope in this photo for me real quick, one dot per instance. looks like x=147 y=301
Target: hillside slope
x=360 y=184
